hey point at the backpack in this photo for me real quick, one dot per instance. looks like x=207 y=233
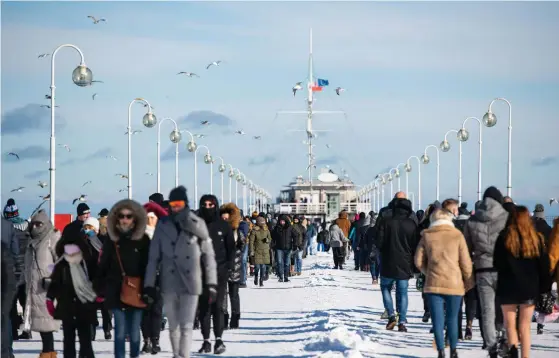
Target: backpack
x=324 y=237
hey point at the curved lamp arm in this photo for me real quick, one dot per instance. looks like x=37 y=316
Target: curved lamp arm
x=450 y=131
x=202 y=146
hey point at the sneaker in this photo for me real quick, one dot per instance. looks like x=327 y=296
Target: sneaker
x=219 y=347
x=426 y=317
x=206 y=347
x=391 y=323
x=402 y=327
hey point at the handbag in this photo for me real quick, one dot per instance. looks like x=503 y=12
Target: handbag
x=130 y=291
x=545 y=303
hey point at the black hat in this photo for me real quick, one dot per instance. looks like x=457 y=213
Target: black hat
x=157 y=198
x=104 y=212
x=494 y=194
x=83 y=209
x=178 y=194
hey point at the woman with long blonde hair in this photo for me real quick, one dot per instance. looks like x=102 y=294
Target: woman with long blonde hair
x=522 y=262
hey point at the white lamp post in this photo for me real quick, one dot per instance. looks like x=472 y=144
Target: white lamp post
x=409 y=169
x=149 y=121
x=207 y=160
x=463 y=136
x=396 y=174
x=425 y=159
x=244 y=182
x=175 y=137
x=445 y=147
x=231 y=174
x=490 y=119
x=221 y=170
x=407 y=182
x=251 y=199
x=82 y=77
x=238 y=178
x=412 y=195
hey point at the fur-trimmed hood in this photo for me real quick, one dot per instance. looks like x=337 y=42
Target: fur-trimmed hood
x=140 y=217
x=343 y=215
x=234 y=214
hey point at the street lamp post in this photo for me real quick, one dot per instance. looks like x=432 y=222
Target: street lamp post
x=396 y=174
x=407 y=182
x=207 y=160
x=463 y=136
x=250 y=194
x=221 y=170
x=231 y=174
x=412 y=195
x=244 y=182
x=445 y=147
x=490 y=119
x=409 y=169
x=82 y=77
x=238 y=178
x=425 y=159
x=175 y=137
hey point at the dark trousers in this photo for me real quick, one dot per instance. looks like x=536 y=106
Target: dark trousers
x=214 y=310
x=234 y=297
x=48 y=341
x=470 y=299
x=107 y=318
x=151 y=319
x=357 y=257
x=339 y=256
x=69 y=328
x=16 y=319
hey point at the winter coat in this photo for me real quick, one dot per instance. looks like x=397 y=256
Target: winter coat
x=337 y=237
x=284 y=237
x=223 y=242
x=343 y=223
x=259 y=241
x=542 y=227
x=8 y=282
x=22 y=236
x=181 y=252
x=397 y=238
x=240 y=232
x=482 y=230
x=39 y=259
x=61 y=288
x=301 y=232
x=133 y=248
x=443 y=257
x=9 y=237
x=360 y=239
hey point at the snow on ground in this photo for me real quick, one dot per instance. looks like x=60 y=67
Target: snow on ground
x=323 y=313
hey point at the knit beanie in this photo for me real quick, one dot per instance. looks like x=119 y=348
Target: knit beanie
x=157 y=198
x=178 y=194
x=494 y=194
x=11 y=210
x=539 y=211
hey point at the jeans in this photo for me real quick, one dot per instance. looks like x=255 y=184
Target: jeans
x=401 y=297
x=374 y=268
x=180 y=311
x=259 y=269
x=284 y=260
x=491 y=313
x=320 y=247
x=7 y=339
x=69 y=328
x=127 y=322
x=312 y=246
x=244 y=266
x=437 y=305
x=299 y=261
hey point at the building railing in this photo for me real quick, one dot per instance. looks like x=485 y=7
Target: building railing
x=321 y=208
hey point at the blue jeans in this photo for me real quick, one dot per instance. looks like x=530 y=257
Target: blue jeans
x=260 y=268
x=437 y=306
x=283 y=258
x=374 y=268
x=320 y=247
x=244 y=266
x=401 y=297
x=311 y=245
x=127 y=322
x=299 y=261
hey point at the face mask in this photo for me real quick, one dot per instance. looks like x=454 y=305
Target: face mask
x=89 y=232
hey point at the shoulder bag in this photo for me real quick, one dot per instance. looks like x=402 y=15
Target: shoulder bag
x=130 y=291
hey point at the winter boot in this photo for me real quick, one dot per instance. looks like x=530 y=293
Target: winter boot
x=93 y=333
x=453 y=353
x=426 y=317
x=219 y=346
x=163 y=323
x=206 y=347
x=391 y=323
x=147 y=346
x=255 y=280
x=108 y=335
x=540 y=328
x=155 y=348
x=25 y=335
x=441 y=354
x=280 y=279
x=235 y=318
x=226 y=321
x=261 y=282
x=402 y=327
x=513 y=352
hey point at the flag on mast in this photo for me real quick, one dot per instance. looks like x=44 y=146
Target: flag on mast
x=319 y=84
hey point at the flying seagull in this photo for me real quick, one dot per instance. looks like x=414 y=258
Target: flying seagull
x=553 y=200
x=241 y=132
x=96 y=21
x=121 y=190
x=81 y=198
x=92 y=82
x=136 y=131
x=200 y=136
x=48 y=106
x=20 y=189
x=48 y=96
x=298 y=86
x=87 y=182
x=339 y=90
x=122 y=176
x=257 y=137
x=204 y=123
x=328 y=146
x=150 y=174
x=93 y=97
x=42 y=184
x=111 y=157
x=43 y=55
x=65 y=146
x=14 y=154
x=45 y=198
x=188 y=74
x=215 y=63
x=314 y=166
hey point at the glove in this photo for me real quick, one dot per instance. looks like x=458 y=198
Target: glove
x=50 y=307
x=212 y=294
x=148 y=295
x=100 y=299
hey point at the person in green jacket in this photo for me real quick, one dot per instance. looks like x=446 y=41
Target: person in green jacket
x=259 y=248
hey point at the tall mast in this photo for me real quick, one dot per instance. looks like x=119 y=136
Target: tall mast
x=310 y=113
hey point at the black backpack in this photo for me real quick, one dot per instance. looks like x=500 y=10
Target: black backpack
x=324 y=237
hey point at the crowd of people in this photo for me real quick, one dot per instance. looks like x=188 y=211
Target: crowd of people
x=161 y=263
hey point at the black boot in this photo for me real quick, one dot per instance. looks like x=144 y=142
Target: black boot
x=147 y=346
x=226 y=321
x=453 y=353
x=513 y=352
x=219 y=346
x=93 y=333
x=206 y=347
x=261 y=282
x=163 y=323
x=235 y=318
x=255 y=280
x=108 y=335
x=25 y=335
x=155 y=348
x=196 y=323
x=441 y=354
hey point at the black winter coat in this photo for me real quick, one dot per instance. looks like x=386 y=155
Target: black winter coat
x=240 y=244
x=9 y=285
x=543 y=228
x=224 y=248
x=299 y=242
x=397 y=238
x=284 y=237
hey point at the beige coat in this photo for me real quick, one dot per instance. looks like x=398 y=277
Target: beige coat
x=442 y=256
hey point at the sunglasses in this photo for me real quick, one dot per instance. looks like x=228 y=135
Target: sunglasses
x=127 y=216
x=177 y=204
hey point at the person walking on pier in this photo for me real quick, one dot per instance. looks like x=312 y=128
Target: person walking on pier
x=259 y=241
x=283 y=239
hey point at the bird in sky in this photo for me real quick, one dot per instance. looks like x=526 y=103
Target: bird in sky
x=215 y=63
x=14 y=154
x=257 y=137
x=82 y=198
x=298 y=86
x=43 y=55
x=150 y=174
x=65 y=146
x=328 y=146
x=45 y=198
x=308 y=166
x=204 y=123
x=20 y=189
x=136 y=131
x=200 y=135
x=122 y=176
x=111 y=157
x=48 y=96
x=147 y=106
x=553 y=200
x=93 y=96
x=87 y=182
x=339 y=90
x=188 y=74
x=48 y=106
x=42 y=184
x=241 y=132
x=121 y=190
x=95 y=20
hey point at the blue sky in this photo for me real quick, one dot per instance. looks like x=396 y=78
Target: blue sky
x=412 y=71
